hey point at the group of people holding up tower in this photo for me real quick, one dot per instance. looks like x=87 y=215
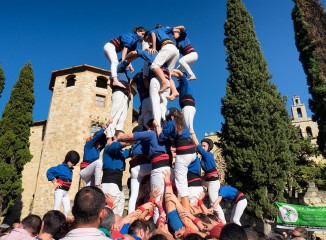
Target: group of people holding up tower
x=175 y=187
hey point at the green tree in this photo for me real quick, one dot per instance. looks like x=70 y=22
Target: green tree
x=305 y=169
x=257 y=129
x=2 y=80
x=309 y=20
x=14 y=137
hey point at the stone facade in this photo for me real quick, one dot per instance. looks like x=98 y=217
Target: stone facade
x=308 y=128
x=80 y=103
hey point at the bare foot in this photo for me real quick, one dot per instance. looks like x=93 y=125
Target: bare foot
x=172 y=96
x=192 y=77
x=117 y=83
x=165 y=85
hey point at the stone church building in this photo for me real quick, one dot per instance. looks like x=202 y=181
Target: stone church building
x=81 y=102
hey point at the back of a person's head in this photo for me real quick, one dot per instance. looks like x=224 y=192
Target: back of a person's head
x=299 y=232
x=233 y=231
x=32 y=224
x=137 y=226
x=89 y=202
x=158 y=237
x=193 y=236
x=54 y=223
x=108 y=219
x=203 y=217
x=73 y=157
x=252 y=234
x=151 y=225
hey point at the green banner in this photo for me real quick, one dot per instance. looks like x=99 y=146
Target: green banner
x=312 y=218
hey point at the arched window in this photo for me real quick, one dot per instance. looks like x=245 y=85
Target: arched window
x=300 y=133
x=101 y=82
x=296 y=101
x=309 y=131
x=299 y=113
x=71 y=79
x=94 y=128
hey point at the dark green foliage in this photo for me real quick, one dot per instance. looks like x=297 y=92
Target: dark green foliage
x=257 y=129
x=14 y=137
x=309 y=20
x=2 y=80
x=305 y=171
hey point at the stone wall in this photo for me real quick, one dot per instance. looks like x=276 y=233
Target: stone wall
x=72 y=112
x=31 y=169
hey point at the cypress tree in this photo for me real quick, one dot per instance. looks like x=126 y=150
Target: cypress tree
x=257 y=129
x=2 y=80
x=309 y=20
x=14 y=137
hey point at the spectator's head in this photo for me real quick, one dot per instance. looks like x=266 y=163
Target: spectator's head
x=140 y=229
x=72 y=158
x=89 y=206
x=108 y=219
x=251 y=233
x=54 y=223
x=233 y=231
x=32 y=224
x=299 y=232
x=158 y=237
x=193 y=236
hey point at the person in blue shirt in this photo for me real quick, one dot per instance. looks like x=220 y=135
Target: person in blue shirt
x=195 y=185
x=142 y=86
x=126 y=42
x=167 y=53
x=159 y=155
x=91 y=166
x=140 y=166
x=185 y=150
x=114 y=164
x=211 y=175
x=61 y=177
x=237 y=197
x=158 y=101
x=119 y=101
x=190 y=55
x=186 y=99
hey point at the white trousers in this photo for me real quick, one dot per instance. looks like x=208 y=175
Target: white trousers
x=186 y=61
x=157 y=182
x=169 y=55
x=111 y=55
x=194 y=193
x=137 y=174
x=188 y=113
x=119 y=111
x=146 y=112
x=113 y=190
x=237 y=211
x=62 y=196
x=213 y=188
x=92 y=174
x=159 y=102
x=180 y=170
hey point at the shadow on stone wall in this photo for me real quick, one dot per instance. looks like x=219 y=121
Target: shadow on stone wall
x=14 y=212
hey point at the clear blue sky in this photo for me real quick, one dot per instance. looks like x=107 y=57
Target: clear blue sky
x=53 y=35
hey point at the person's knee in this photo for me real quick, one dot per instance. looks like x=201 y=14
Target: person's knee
x=182 y=62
